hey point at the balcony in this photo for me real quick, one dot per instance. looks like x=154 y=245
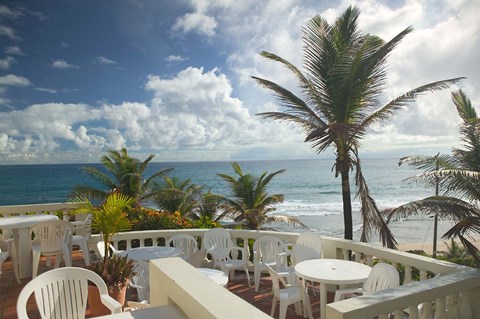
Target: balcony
x=440 y=289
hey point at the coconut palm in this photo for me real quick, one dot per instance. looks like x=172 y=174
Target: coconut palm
x=346 y=72
x=250 y=204
x=124 y=174
x=175 y=195
x=460 y=180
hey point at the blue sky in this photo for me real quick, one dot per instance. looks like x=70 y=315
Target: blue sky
x=172 y=78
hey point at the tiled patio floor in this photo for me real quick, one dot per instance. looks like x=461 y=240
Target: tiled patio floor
x=9 y=290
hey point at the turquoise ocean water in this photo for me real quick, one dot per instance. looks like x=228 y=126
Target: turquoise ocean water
x=311 y=191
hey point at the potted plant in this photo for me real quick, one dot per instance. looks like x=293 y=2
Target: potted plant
x=108 y=219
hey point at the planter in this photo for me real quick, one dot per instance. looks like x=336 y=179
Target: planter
x=96 y=306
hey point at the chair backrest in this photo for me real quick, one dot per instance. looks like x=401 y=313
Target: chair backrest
x=85 y=229
x=276 y=280
x=267 y=248
x=197 y=258
x=382 y=276
x=101 y=248
x=217 y=238
x=60 y=293
x=52 y=234
x=141 y=279
x=308 y=246
x=187 y=243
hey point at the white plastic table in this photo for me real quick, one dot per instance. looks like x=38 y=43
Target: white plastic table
x=19 y=226
x=216 y=275
x=151 y=252
x=331 y=271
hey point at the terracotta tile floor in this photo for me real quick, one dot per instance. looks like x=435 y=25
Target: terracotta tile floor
x=9 y=290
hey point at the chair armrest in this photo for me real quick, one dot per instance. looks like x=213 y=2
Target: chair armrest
x=240 y=249
x=340 y=292
x=110 y=303
x=282 y=260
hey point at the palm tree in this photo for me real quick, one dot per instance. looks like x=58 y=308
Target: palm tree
x=176 y=195
x=346 y=72
x=124 y=174
x=251 y=204
x=461 y=180
x=430 y=164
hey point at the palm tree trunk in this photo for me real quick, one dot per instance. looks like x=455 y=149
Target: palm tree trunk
x=347 y=205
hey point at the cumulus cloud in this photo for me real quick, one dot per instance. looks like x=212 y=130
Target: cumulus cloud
x=196 y=22
x=62 y=64
x=13 y=80
x=103 y=60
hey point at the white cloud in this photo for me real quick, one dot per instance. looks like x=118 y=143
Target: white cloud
x=6 y=12
x=40 y=89
x=103 y=60
x=6 y=63
x=9 y=32
x=175 y=58
x=14 y=50
x=62 y=64
x=14 y=80
x=196 y=22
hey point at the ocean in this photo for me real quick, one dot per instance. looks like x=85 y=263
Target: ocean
x=311 y=191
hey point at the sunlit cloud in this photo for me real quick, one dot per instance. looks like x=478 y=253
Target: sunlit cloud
x=62 y=64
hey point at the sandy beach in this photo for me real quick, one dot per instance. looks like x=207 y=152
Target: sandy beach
x=428 y=246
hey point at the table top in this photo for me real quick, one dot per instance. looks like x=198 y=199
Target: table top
x=167 y=311
x=151 y=252
x=332 y=271
x=216 y=275
x=23 y=221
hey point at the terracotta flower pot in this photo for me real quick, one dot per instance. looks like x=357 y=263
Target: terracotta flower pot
x=96 y=306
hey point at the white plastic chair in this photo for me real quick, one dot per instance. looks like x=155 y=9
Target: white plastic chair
x=225 y=254
x=289 y=294
x=196 y=260
x=52 y=238
x=101 y=249
x=308 y=246
x=141 y=281
x=187 y=243
x=10 y=252
x=382 y=276
x=82 y=233
x=266 y=251
x=62 y=293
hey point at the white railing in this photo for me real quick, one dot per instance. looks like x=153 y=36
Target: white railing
x=442 y=289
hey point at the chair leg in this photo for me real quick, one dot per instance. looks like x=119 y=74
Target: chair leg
x=274 y=305
x=35 y=262
x=256 y=275
x=67 y=256
x=283 y=310
x=58 y=258
x=86 y=253
x=248 y=276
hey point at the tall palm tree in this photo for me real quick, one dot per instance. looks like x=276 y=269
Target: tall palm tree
x=125 y=174
x=346 y=72
x=430 y=164
x=459 y=183
x=250 y=204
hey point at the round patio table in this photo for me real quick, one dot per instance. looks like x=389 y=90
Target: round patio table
x=331 y=271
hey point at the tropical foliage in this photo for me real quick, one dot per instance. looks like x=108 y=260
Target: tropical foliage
x=250 y=204
x=346 y=72
x=124 y=174
x=459 y=183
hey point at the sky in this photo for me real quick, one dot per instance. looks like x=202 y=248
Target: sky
x=173 y=78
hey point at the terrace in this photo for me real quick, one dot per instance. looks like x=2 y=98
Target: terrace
x=444 y=290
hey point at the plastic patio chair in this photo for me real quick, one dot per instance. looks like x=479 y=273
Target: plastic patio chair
x=187 y=243
x=308 y=246
x=141 y=281
x=83 y=232
x=101 y=249
x=289 y=294
x=266 y=251
x=62 y=293
x=382 y=276
x=52 y=238
x=196 y=260
x=225 y=254
x=10 y=252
